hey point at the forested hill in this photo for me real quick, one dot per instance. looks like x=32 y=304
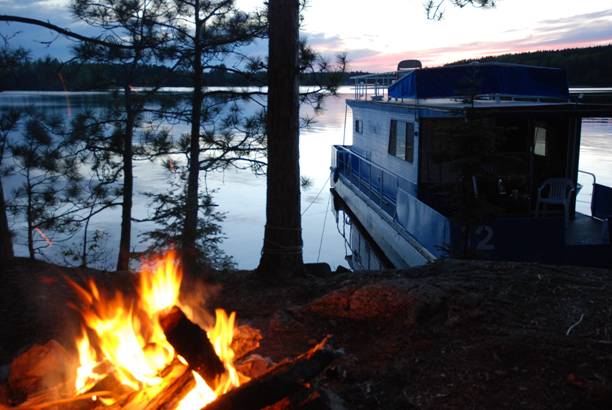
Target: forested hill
x=50 y=74
x=590 y=66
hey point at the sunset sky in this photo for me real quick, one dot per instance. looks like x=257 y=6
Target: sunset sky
x=377 y=34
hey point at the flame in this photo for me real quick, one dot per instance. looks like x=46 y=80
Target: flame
x=160 y=284
x=128 y=341
x=199 y=396
x=86 y=376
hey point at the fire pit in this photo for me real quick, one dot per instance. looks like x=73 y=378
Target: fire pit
x=145 y=351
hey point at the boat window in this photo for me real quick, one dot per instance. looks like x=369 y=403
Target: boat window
x=392 y=137
x=539 y=141
x=401 y=140
x=409 y=142
x=358 y=126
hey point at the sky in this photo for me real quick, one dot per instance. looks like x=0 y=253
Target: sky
x=378 y=34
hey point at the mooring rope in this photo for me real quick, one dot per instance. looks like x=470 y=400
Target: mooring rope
x=317 y=196
x=323 y=231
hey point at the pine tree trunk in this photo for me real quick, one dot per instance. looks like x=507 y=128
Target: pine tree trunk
x=6 y=241
x=282 y=248
x=123 y=261
x=189 y=237
x=30 y=216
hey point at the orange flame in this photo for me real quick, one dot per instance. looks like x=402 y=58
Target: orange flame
x=129 y=342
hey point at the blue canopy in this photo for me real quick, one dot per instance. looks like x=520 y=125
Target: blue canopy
x=482 y=79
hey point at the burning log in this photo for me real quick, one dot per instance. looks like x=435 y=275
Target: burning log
x=171 y=395
x=191 y=342
x=282 y=381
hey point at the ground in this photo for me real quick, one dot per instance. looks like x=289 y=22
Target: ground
x=450 y=335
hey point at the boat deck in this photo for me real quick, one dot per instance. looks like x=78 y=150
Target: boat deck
x=584 y=230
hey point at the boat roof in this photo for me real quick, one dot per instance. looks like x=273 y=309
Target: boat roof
x=482 y=79
x=488 y=107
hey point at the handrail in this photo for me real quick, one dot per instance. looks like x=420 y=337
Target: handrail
x=379 y=83
x=384 y=189
x=364 y=159
x=591 y=174
x=366 y=185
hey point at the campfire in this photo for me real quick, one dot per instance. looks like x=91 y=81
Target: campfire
x=145 y=350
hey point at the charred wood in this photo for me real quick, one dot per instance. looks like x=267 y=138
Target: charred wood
x=282 y=381
x=191 y=342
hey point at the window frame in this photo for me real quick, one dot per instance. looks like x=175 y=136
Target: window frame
x=358 y=126
x=396 y=137
x=543 y=142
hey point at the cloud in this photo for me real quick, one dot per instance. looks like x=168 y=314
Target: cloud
x=581 y=18
x=321 y=42
x=41 y=41
x=576 y=31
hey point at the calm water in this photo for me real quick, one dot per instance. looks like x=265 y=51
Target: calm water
x=241 y=195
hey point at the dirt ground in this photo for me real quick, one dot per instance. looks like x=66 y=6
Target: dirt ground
x=450 y=335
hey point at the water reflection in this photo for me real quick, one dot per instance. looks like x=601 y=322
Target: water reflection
x=241 y=194
x=361 y=252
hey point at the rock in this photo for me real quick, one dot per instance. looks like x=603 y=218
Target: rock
x=342 y=269
x=318 y=269
x=4 y=372
x=386 y=300
x=39 y=368
x=246 y=339
x=254 y=365
x=4 y=396
x=311 y=399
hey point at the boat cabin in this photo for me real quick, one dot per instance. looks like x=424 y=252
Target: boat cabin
x=476 y=160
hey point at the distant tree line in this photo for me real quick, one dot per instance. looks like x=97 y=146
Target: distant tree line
x=51 y=74
x=588 y=66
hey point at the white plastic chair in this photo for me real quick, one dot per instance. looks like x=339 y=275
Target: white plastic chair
x=559 y=192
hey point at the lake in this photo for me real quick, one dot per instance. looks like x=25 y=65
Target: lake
x=241 y=195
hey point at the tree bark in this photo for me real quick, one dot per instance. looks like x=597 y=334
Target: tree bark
x=6 y=241
x=123 y=260
x=30 y=217
x=189 y=237
x=282 y=247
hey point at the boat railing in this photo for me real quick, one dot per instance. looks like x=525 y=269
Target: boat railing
x=379 y=184
x=396 y=197
x=601 y=199
x=374 y=86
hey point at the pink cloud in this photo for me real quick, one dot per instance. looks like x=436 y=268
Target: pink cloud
x=577 y=31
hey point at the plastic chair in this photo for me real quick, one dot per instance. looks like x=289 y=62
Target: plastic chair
x=559 y=192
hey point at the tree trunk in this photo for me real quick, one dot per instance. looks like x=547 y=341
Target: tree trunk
x=30 y=216
x=123 y=261
x=282 y=247
x=189 y=236
x=6 y=241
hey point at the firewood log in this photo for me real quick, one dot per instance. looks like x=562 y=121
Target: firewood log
x=281 y=381
x=178 y=381
x=191 y=342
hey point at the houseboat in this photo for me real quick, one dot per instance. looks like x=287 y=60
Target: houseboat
x=477 y=160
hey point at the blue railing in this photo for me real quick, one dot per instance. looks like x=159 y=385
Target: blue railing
x=379 y=184
x=396 y=196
